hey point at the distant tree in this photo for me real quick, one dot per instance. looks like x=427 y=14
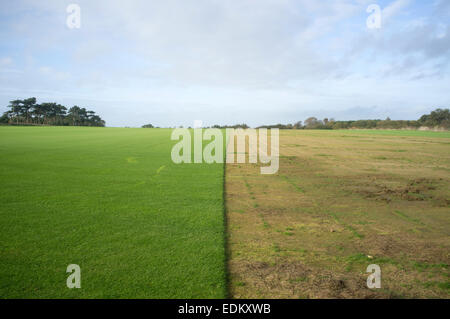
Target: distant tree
x=298 y=125
x=4 y=119
x=60 y=113
x=74 y=115
x=338 y=125
x=147 y=126
x=96 y=120
x=37 y=113
x=312 y=123
x=27 y=106
x=16 y=109
x=438 y=117
x=29 y=112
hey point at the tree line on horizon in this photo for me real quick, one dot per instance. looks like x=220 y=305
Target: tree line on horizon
x=28 y=112
x=439 y=118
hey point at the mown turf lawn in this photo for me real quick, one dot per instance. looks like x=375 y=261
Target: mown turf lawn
x=111 y=201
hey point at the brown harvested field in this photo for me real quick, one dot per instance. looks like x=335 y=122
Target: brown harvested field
x=342 y=200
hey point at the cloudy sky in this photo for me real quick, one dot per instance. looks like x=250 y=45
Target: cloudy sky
x=170 y=62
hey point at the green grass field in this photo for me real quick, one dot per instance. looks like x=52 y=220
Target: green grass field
x=111 y=201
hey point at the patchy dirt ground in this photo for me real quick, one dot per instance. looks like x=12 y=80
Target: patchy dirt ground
x=342 y=200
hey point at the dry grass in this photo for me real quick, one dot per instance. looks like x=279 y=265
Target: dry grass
x=339 y=197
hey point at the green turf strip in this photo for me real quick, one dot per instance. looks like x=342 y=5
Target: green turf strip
x=111 y=201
